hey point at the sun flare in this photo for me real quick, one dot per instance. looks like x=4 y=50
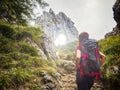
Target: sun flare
x=60 y=40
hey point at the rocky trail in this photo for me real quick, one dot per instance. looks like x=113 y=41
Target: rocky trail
x=67 y=71
x=68 y=81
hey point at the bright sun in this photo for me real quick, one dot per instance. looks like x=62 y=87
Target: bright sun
x=60 y=40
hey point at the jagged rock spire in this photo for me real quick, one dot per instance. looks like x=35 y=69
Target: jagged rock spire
x=55 y=24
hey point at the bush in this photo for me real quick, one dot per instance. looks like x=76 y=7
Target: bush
x=7 y=31
x=23 y=35
x=14 y=55
x=6 y=45
x=5 y=81
x=111 y=47
x=20 y=76
x=25 y=48
x=31 y=32
x=5 y=61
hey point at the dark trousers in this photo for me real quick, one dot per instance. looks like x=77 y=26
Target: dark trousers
x=84 y=82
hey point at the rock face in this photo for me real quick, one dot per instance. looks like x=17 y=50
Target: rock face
x=116 y=10
x=54 y=25
x=46 y=49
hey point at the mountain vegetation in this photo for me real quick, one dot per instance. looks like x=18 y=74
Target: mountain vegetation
x=20 y=65
x=111 y=68
x=18 y=11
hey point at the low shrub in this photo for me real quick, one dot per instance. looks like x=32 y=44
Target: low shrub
x=5 y=61
x=25 y=48
x=6 y=45
x=5 y=81
x=20 y=76
x=7 y=31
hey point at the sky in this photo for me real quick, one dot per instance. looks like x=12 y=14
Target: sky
x=92 y=16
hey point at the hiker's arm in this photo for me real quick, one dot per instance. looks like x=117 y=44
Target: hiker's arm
x=102 y=58
x=77 y=58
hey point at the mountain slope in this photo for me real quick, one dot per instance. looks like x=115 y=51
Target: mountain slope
x=111 y=68
x=24 y=61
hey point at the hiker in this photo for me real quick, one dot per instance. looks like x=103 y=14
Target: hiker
x=88 y=61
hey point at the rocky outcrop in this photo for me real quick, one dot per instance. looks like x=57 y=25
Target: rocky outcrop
x=48 y=47
x=45 y=48
x=116 y=31
x=40 y=51
x=116 y=12
x=54 y=25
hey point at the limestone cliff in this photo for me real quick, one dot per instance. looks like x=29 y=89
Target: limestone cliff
x=54 y=25
x=116 y=13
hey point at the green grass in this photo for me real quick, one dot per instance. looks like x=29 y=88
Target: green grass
x=19 y=60
x=111 y=48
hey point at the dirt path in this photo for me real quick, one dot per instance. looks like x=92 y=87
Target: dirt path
x=67 y=71
x=68 y=82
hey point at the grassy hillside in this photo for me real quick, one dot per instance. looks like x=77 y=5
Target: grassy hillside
x=111 y=47
x=111 y=68
x=20 y=65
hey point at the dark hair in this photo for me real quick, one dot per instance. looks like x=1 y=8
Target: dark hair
x=83 y=36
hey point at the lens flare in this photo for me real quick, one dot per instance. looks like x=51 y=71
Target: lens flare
x=60 y=40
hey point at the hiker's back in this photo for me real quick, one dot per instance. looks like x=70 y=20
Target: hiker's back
x=87 y=61
x=91 y=46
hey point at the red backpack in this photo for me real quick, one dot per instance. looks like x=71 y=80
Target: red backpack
x=90 y=60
